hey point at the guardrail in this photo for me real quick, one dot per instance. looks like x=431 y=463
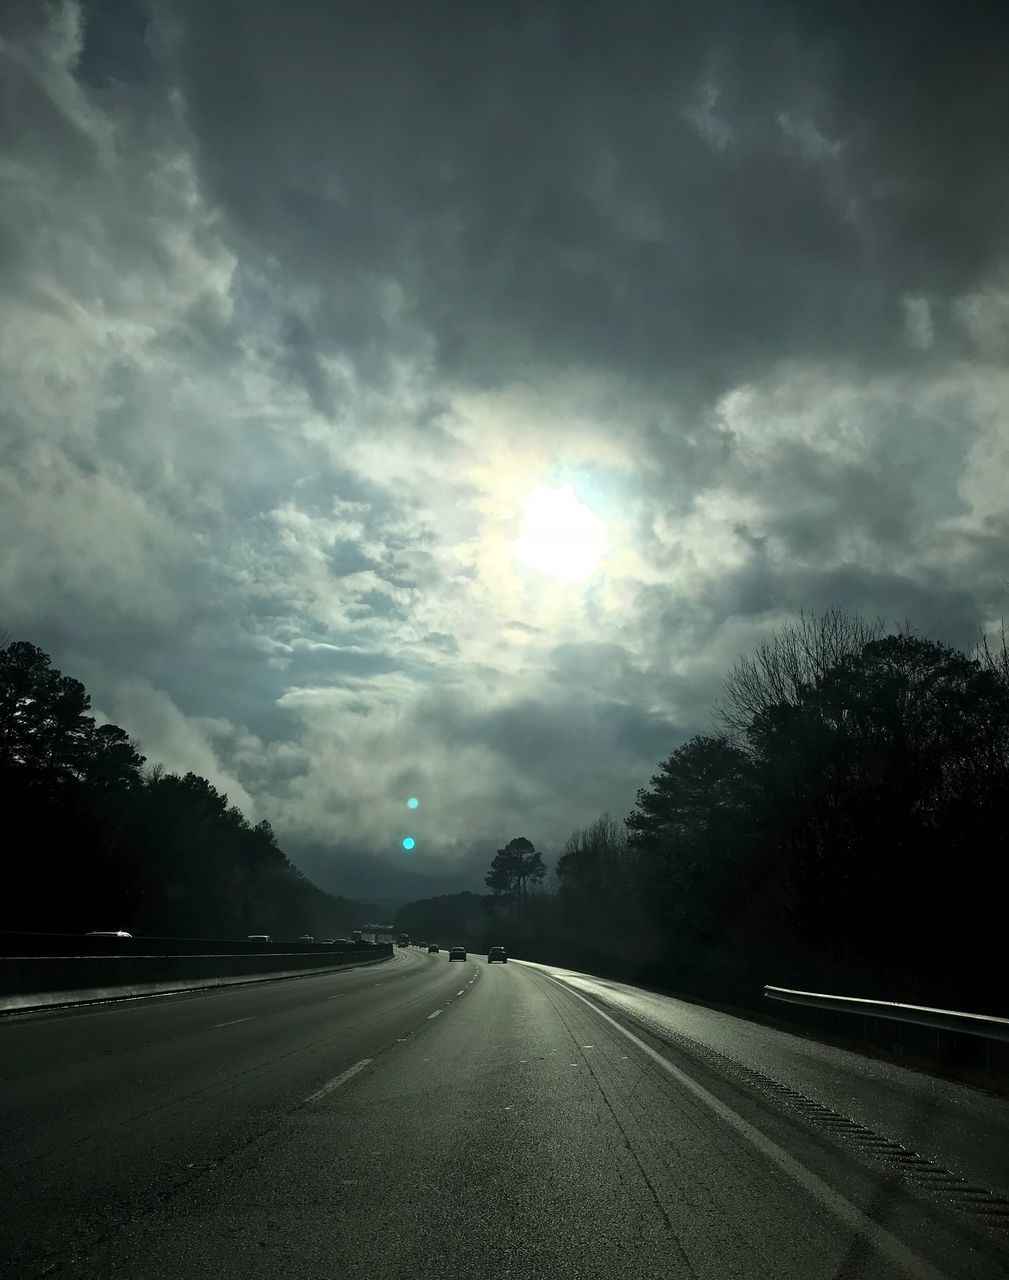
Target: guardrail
x=42 y=981
x=971 y=1024
x=85 y=944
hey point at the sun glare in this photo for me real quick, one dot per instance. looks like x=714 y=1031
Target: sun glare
x=561 y=536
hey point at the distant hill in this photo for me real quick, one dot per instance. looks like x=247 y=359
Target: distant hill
x=452 y=917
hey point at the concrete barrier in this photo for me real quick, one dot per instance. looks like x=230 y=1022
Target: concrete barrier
x=40 y=982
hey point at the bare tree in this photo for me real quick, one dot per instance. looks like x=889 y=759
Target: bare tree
x=789 y=661
x=994 y=655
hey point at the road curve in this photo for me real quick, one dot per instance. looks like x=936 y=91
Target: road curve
x=428 y=1118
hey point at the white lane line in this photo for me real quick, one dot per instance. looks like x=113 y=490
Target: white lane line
x=339 y=996
x=335 y=1083
x=234 y=1020
x=433 y=1015
x=462 y=992
x=909 y=1262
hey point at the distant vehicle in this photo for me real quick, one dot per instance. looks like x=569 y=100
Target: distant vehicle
x=108 y=933
x=457 y=953
x=433 y=949
x=497 y=954
x=328 y=942
x=403 y=940
x=259 y=937
x=357 y=936
x=306 y=937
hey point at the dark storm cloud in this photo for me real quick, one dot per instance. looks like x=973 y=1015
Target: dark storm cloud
x=115 y=42
x=682 y=193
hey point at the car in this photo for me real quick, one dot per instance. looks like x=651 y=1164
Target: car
x=457 y=953
x=328 y=942
x=433 y=949
x=306 y=937
x=259 y=937
x=108 y=933
x=497 y=954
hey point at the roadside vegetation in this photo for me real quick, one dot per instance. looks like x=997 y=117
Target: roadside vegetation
x=842 y=827
x=97 y=841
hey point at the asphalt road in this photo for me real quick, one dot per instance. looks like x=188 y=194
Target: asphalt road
x=422 y=1118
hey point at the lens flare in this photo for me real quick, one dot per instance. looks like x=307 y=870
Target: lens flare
x=412 y=803
x=408 y=842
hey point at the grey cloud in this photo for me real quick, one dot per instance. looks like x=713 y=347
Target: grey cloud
x=442 y=642
x=330 y=275
x=524 y=187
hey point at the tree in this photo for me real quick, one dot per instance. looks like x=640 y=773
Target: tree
x=512 y=870
x=788 y=662
x=114 y=846
x=699 y=864
x=597 y=899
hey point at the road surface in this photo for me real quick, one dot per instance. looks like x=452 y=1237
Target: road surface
x=425 y=1118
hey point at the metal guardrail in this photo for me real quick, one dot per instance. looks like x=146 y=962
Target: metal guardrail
x=971 y=1024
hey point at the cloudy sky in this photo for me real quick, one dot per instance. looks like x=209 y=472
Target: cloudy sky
x=435 y=399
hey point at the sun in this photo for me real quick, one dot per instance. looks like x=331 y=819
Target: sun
x=561 y=536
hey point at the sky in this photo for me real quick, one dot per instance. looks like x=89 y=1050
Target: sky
x=435 y=400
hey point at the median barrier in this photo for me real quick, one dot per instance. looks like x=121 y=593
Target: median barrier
x=39 y=982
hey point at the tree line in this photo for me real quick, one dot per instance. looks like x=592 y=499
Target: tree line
x=97 y=841
x=842 y=827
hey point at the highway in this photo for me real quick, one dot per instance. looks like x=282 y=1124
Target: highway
x=425 y=1118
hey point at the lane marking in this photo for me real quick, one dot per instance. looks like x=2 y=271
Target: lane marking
x=234 y=1020
x=462 y=992
x=433 y=1015
x=339 y=996
x=909 y=1262
x=335 y=1083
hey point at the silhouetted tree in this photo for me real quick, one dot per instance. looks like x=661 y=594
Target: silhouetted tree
x=105 y=845
x=787 y=662
x=513 y=869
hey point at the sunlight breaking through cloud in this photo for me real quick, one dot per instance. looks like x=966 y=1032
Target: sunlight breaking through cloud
x=561 y=536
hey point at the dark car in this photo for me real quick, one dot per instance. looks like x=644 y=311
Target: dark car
x=433 y=949
x=497 y=953
x=457 y=953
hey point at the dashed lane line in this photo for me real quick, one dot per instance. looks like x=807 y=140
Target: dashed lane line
x=335 y=1083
